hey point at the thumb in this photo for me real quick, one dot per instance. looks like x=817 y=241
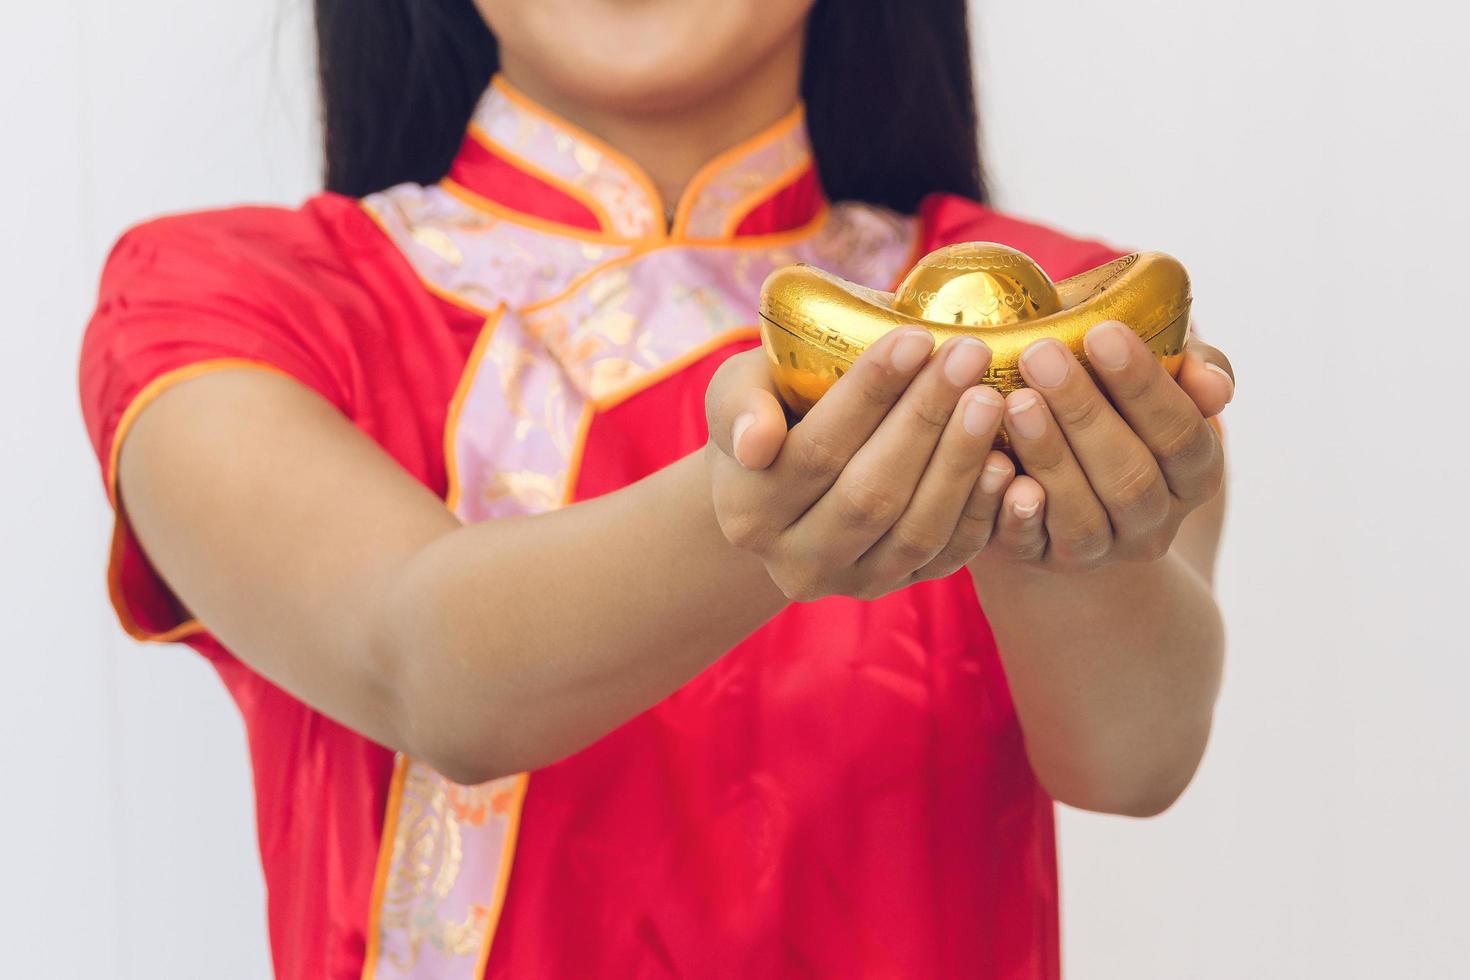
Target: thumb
x=746 y=419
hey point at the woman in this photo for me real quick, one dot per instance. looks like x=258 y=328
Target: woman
x=768 y=730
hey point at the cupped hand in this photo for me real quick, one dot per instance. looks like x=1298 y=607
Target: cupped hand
x=1111 y=469
x=888 y=480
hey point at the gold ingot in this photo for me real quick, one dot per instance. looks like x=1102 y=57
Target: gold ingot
x=814 y=325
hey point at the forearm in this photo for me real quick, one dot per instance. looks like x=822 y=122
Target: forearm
x=523 y=640
x=484 y=649
x=1114 y=674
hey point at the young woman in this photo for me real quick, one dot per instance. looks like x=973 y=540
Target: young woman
x=668 y=688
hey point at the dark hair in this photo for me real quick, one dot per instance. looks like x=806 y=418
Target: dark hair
x=887 y=83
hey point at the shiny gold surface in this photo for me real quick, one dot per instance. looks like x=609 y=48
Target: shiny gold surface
x=814 y=325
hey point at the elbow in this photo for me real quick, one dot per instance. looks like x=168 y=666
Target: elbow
x=457 y=737
x=1145 y=799
x=458 y=729
x=1142 y=804
x=473 y=737
x=439 y=704
x=475 y=752
x=1152 y=801
x=466 y=768
x=1133 y=786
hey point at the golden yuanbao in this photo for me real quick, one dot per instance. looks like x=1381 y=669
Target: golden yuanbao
x=814 y=325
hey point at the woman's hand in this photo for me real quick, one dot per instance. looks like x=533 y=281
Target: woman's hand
x=1107 y=482
x=888 y=480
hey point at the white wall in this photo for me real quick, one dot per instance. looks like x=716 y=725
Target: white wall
x=1324 y=836
x=128 y=837
x=1307 y=161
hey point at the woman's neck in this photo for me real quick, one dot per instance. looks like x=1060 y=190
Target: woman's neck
x=671 y=144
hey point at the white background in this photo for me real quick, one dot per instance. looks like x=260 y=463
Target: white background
x=1306 y=160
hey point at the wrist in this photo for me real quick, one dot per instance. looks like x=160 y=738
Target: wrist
x=695 y=479
x=990 y=571
x=997 y=577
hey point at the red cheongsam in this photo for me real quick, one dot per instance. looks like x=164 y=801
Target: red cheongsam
x=844 y=794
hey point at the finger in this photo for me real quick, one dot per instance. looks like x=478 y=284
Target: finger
x=1159 y=411
x=938 y=514
x=1207 y=377
x=1123 y=473
x=746 y=420
x=1020 y=527
x=978 y=519
x=876 y=486
x=1077 y=525
x=879 y=481
x=819 y=447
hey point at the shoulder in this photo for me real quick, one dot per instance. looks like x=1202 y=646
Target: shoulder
x=945 y=219
x=288 y=286
x=310 y=247
x=284 y=288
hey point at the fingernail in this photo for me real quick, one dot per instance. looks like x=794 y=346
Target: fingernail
x=1046 y=363
x=981 y=410
x=1024 y=511
x=965 y=362
x=1107 y=344
x=1229 y=381
x=911 y=350
x=1026 y=416
x=992 y=478
x=743 y=421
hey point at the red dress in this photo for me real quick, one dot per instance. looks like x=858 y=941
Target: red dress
x=844 y=794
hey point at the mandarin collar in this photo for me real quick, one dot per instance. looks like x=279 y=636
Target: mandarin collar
x=519 y=156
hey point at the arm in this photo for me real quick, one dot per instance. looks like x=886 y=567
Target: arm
x=503 y=646
x=483 y=650
x=1114 y=672
x=1099 y=587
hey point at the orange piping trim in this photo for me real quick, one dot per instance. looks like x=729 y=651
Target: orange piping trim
x=773 y=240
x=577 y=193
x=711 y=168
x=669 y=368
x=456 y=405
x=751 y=201
x=130 y=626
x=451 y=501
x=504 y=213
x=579 y=448
x=158 y=386
x=636 y=172
x=502 y=876
x=142 y=400
x=640 y=245
x=453 y=299
x=385 y=859
x=581 y=279
x=644 y=381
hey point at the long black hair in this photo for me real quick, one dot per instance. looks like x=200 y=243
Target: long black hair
x=888 y=87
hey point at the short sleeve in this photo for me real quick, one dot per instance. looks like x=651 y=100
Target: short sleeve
x=184 y=296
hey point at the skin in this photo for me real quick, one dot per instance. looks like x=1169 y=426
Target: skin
x=323 y=565
x=670 y=83
x=1094 y=567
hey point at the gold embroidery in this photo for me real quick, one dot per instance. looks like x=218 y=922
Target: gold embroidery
x=587 y=158
x=437 y=242
x=583 y=320
x=609 y=375
x=424 y=865
x=533 y=491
